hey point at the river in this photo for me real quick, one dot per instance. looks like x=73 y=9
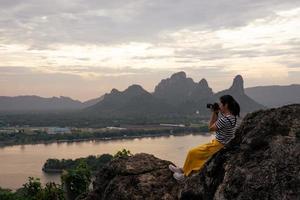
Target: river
x=21 y=161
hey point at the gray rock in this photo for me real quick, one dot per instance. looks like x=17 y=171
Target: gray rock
x=141 y=176
x=262 y=162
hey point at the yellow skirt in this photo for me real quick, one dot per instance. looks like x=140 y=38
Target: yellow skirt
x=199 y=155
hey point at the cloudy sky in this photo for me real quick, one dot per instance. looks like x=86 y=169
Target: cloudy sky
x=84 y=48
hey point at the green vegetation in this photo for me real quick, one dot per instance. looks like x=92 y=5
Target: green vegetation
x=33 y=190
x=93 y=162
x=122 y=153
x=76 y=179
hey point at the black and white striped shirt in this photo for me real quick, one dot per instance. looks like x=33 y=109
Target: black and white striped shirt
x=226 y=127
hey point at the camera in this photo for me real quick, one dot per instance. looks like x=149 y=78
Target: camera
x=214 y=106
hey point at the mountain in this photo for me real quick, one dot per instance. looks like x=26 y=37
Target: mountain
x=275 y=95
x=184 y=94
x=237 y=91
x=36 y=103
x=201 y=91
x=133 y=101
x=261 y=162
x=197 y=99
x=176 y=89
x=92 y=102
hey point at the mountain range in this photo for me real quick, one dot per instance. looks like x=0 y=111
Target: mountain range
x=37 y=103
x=177 y=94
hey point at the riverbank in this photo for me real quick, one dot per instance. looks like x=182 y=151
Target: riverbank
x=42 y=138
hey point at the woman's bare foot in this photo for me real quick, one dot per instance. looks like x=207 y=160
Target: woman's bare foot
x=179 y=176
x=175 y=169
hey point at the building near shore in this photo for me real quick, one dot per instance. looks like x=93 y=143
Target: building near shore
x=115 y=128
x=8 y=130
x=58 y=130
x=173 y=125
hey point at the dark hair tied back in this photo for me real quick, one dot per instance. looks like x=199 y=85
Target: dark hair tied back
x=233 y=105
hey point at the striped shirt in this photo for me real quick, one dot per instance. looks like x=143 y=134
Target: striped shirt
x=226 y=127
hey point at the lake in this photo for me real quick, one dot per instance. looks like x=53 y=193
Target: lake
x=20 y=161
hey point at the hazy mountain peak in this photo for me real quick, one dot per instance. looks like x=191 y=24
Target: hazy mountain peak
x=114 y=91
x=203 y=83
x=176 y=89
x=179 y=75
x=135 y=87
x=238 y=84
x=64 y=98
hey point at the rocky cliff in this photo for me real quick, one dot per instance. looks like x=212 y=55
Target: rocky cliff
x=141 y=176
x=261 y=162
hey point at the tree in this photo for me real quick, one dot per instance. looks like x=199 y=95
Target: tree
x=52 y=191
x=32 y=188
x=7 y=194
x=76 y=181
x=122 y=153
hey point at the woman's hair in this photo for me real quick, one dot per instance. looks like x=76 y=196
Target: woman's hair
x=233 y=105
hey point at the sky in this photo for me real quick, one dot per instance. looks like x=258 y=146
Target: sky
x=84 y=48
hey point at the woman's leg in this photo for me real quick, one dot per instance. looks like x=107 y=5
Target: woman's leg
x=197 y=156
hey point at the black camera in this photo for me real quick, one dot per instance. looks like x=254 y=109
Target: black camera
x=214 y=106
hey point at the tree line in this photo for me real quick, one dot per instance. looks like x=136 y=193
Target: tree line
x=43 y=137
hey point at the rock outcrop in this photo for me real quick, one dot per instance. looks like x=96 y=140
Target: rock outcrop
x=261 y=162
x=141 y=176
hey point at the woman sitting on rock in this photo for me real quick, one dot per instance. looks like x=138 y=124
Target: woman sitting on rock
x=224 y=126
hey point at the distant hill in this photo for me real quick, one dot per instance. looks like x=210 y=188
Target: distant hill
x=91 y=102
x=133 y=101
x=36 y=103
x=275 y=95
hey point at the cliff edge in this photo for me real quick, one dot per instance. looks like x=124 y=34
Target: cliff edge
x=261 y=162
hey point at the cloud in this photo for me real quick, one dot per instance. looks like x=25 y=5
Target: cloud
x=106 y=44
x=39 y=23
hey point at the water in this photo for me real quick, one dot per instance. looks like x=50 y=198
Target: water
x=20 y=161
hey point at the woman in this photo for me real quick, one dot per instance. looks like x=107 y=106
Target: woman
x=224 y=126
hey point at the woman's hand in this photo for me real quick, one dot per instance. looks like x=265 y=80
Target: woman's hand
x=214 y=111
x=213 y=119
